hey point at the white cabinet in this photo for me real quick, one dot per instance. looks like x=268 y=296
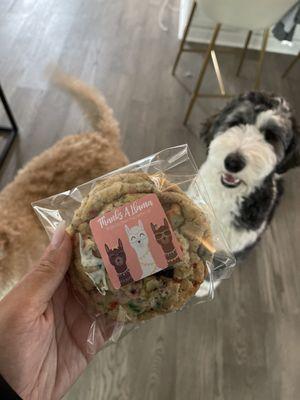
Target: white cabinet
x=202 y=26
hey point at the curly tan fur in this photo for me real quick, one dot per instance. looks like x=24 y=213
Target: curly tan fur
x=70 y=162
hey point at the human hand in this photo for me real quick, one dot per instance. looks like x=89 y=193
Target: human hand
x=43 y=328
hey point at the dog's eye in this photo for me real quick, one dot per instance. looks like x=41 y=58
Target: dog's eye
x=142 y=234
x=133 y=238
x=270 y=136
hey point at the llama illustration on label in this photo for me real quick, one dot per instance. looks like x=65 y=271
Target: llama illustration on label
x=117 y=258
x=138 y=251
x=139 y=241
x=163 y=237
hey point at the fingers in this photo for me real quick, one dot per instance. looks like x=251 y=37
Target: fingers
x=41 y=283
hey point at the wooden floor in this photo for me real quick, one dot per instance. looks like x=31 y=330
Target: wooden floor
x=246 y=343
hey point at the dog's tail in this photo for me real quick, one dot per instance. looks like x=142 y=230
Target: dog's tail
x=91 y=102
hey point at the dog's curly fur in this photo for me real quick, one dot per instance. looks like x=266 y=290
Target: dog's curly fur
x=70 y=162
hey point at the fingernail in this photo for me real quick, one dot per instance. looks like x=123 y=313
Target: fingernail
x=58 y=235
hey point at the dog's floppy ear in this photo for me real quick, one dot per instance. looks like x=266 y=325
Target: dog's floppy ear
x=207 y=132
x=4 y=241
x=166 y=223
x=153 y=227
x=7 y=238
x=107 y=248
x=292 y=153
x=120 y=244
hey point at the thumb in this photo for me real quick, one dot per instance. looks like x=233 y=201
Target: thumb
x=41 y=283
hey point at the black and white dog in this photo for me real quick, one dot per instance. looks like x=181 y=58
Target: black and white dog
x=251 y=143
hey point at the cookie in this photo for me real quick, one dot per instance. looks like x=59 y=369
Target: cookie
x=165 y=291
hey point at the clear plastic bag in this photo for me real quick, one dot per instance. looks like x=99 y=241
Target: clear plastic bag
x=169 y=174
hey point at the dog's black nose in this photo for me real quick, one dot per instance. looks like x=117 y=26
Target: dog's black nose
x=234 y=162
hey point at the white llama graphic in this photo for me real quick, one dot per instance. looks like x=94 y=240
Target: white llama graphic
x=139 y=241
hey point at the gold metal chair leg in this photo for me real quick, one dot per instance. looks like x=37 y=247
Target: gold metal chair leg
x=218 y=72
x=186 y=31
x=291 y=66
x=202 y=73
x=261 y=59
x=244 y=53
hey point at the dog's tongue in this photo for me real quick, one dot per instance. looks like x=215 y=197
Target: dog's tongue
x=230 y=178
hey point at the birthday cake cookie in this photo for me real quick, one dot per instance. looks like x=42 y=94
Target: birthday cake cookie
x=138 y=247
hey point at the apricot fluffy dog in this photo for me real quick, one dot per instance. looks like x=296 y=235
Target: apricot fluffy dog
x=71 y=161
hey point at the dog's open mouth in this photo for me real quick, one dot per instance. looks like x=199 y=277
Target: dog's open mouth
x=229 y=180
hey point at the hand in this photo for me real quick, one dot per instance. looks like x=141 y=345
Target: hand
x=43 y=328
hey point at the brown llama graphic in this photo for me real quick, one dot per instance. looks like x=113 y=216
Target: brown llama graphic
x=117 y=258
x=163 y=237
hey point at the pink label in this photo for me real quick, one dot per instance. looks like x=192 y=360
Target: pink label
x=135 y=240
